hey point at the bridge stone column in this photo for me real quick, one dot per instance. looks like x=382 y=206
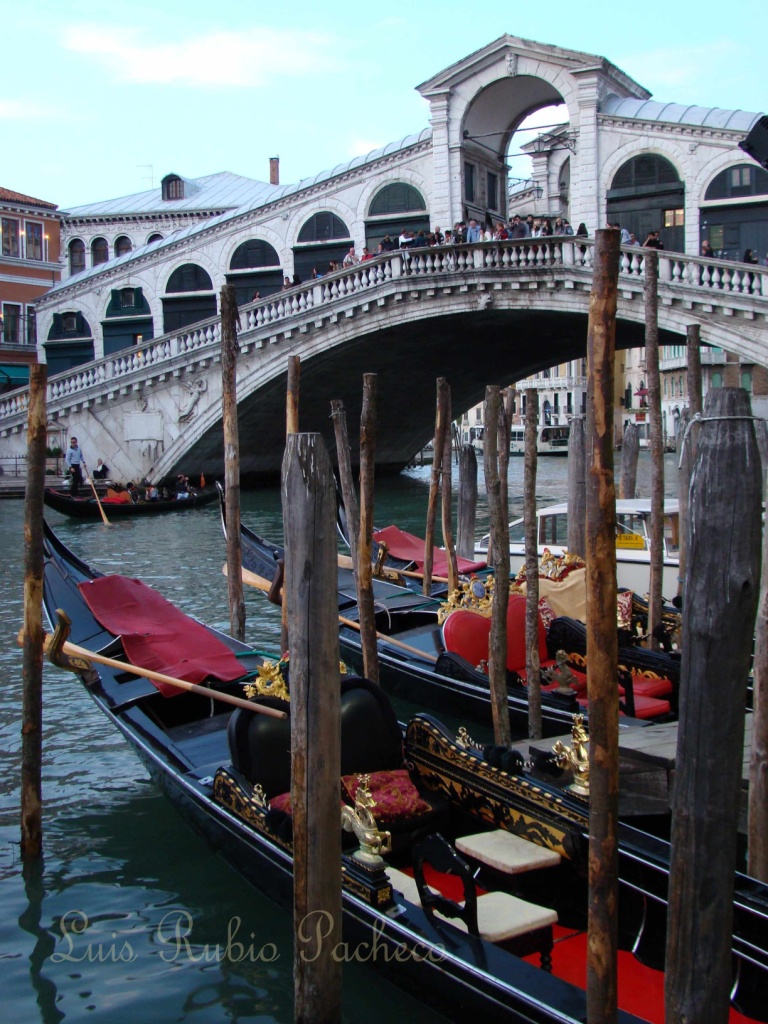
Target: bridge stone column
x=442 y=196
x=585 y=187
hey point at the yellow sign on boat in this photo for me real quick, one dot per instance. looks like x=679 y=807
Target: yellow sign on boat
x=635 y=541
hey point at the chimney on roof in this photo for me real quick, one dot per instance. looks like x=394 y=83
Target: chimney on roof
x=274 y=170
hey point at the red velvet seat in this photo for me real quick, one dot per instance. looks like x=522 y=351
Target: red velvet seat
x=645 y=707
x=651 y=686
x=466 y=633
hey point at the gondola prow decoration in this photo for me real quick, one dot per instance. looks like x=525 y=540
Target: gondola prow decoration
x=575 y=757
x=360 y=820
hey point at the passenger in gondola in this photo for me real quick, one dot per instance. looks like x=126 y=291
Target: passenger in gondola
x=152 y=492
x=182 y=487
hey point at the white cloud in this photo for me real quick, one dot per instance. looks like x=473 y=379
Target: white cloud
x=19 y=110
x=249 y=58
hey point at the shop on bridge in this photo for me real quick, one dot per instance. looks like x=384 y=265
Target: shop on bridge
x=734 y=214
x=323 y=238
x=254 y=270
x=189 y=298
x=69 y=343
x=128 y=320
x=646 y=195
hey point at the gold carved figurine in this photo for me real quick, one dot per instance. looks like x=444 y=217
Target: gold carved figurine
x=575 y=757
x=360 y=820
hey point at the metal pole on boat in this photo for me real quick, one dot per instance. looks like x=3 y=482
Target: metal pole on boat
x=656 y=442
x=366 y=610
x=434 y=483
x=229 y=349
x=446 y=494
x=577 y=487
x=309 y=512
x=630 y=450
x=532 y=662
x=602 y=640
x=32 y=670
x=348 y=493
x=721 y=594
x=467 y=511
x=497 y=644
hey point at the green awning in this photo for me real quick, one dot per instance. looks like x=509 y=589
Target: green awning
x=14 y=373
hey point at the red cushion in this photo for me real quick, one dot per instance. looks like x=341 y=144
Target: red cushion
x=396 y=797
x=645 y=707
x=466 y=633
x=547 y=612
x=516 y=635
x=283 y=803
x=650 y=686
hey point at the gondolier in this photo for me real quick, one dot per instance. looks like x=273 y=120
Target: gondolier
x=75 y=462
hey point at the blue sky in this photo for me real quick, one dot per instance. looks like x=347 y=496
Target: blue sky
x=96 y=96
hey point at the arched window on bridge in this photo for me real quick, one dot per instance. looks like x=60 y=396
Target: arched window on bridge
x=734 y=214
x=324 y=237
x=254 y=268
x=76 y=250
x=123 y=245
x=189 y=297
x=69 y=342
x=394 y=208
x=646 y=195
x=99 y=251
x=128 y=320
x=154 y=237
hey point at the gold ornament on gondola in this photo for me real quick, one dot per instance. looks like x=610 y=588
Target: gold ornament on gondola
x=473 y=595
x=575 y=757
x=270 y=682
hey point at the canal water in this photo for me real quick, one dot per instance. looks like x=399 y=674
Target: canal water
x=130 y=917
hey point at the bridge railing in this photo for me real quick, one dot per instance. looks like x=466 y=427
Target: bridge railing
x=689 y=274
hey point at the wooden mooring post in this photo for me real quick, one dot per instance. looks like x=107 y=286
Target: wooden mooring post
x=687 y=454
x=630 y=450
x=348 y=492
x=467 y=512
x=656 y=442
x=32 y=656
x=602 y=642
x=229 y=349
x=757 y=828
x=532 y=662
x=497 y=668
x=367 y=612
x=291 y=427
x=577 y=487
x=721 y=593
x=309 y=512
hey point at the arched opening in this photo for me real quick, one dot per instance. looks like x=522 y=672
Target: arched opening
x=76 y=252
x=254 y=270
x=189 y=297
x=324 y=237
x=647 y=195
x=99 y=251
x=395 y=208
x=69 y=342
x=734 y=214
x=122 y=245
x=172 y=187
x=512 y=133
x=128 y=320
x=154 y=237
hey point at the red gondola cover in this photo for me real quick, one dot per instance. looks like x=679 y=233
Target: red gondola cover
x=410 y=548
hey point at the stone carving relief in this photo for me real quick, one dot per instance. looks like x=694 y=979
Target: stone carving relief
x=191 y=394
x=512 y=64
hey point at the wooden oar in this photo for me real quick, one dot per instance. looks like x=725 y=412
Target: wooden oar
x=96 y=496
x=56 y=645
x=254 y=580
x=345 y=562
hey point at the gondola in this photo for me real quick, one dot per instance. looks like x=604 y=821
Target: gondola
x=226 y=772
x=86 y=507
x=417 y=662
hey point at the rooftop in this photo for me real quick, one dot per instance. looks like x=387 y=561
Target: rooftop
x=680 y=113
x=7 y=195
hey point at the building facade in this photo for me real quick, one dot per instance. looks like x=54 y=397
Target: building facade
x=29 y=266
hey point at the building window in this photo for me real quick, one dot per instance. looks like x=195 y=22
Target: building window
x=396 y=198
x=127 y=297
x=680 y=386
x=478 y=415
x=469 y=182
x=322 y=227
x=155 y=237
x=11 y=323
x=172 y=187
x=10 y=237
x=76 y=256
x=34 y=234
x=742 y=180
x=674 y=218
x=716 y=380
x=122 y=245
x=493 y=190
x=31 y=326
x=746 y=381
x=665 y=387
x=99 y=251
x=69 y=322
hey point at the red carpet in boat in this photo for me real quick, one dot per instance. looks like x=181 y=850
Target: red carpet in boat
x=641 y=988
x=410 y=548
x=156 y=635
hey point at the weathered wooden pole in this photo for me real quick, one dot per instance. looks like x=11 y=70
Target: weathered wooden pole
x=32 y=658
x=291 y=427
x=229 y=349
x=503 y=441
x=309 y=513
x=602 y=641
x=722 y=587
x=577 y=487
x=365 y=536
x=686 y=457
x=465 y=544
x=656 y=441
x=630 y=450
x=348 y=492
x=446 y=492
x=497 y=667
x=757 y=830
x=532 y=663
x=434 y=484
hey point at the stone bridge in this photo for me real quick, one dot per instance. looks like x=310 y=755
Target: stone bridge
x=481 y=314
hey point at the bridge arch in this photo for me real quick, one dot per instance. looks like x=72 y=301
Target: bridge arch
x=188 y=297
x=733 y=215
x=325 y=235
x=391 y=207
x=253 y=267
